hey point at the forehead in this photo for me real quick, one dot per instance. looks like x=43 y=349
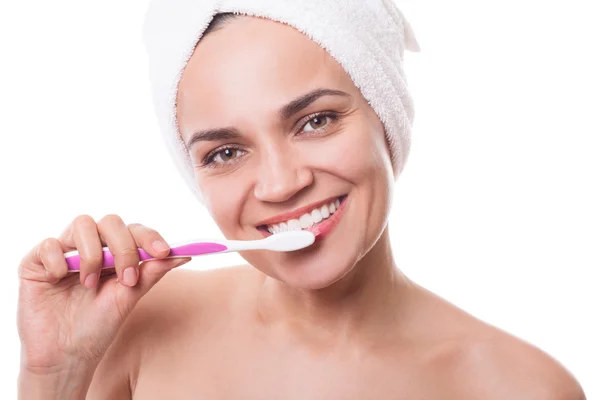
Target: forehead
x=254 y=62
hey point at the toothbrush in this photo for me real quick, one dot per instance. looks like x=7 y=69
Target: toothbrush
x=284 y=241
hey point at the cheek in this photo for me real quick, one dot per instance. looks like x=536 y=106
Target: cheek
x=356 y=153
x=223 y=196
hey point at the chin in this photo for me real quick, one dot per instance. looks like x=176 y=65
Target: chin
x=316 y=269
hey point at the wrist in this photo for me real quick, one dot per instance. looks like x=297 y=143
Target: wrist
x=58 y=383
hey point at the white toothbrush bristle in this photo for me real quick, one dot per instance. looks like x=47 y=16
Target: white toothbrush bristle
x=289 y=241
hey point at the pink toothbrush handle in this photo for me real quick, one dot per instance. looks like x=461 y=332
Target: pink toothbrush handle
x=187 y=250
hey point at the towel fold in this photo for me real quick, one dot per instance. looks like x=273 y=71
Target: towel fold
x=366 y=37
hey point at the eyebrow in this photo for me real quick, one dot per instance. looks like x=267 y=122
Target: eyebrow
x=288 y=110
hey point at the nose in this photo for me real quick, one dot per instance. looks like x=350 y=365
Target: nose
x=281 y=176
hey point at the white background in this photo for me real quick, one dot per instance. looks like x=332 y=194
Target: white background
x=497 y=209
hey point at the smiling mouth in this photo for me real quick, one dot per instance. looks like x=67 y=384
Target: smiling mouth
x=309 y=220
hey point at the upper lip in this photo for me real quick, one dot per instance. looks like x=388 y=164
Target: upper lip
x=297 y=212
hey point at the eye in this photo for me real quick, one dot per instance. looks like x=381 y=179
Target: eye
x=317 y=122
x=225 y=155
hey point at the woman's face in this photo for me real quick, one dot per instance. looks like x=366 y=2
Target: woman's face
x=277 y=129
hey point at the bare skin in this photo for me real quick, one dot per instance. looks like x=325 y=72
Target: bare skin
x=337 y=320
x=204 y=335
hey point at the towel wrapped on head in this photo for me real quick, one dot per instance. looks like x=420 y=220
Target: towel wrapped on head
x=366 y=37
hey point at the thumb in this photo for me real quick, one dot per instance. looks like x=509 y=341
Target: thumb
x=153 y=271
x=150 y=272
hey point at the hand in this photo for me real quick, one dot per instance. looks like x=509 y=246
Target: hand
x=66 y=320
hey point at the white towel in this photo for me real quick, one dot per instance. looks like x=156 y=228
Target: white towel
x=367 y=38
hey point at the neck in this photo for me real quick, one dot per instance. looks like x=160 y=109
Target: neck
x=365 y=302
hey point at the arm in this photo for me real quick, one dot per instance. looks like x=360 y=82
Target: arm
x=67 y=384
x=118 y=368
x=112 y=378
x=116 y=376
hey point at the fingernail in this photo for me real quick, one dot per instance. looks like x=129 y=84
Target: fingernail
x=91 y=280
x=160 y=246
x=130 y=276
x=180 y=263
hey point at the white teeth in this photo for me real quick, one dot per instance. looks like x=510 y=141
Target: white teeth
x=294 y=225
x=316 y=216
x=307 y=220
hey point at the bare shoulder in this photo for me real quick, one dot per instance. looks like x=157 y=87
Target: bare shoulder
x=474 y=360
x=185 y=291
x=183 y=299
x=507 y=367
x=186 y=297
x=492 y=364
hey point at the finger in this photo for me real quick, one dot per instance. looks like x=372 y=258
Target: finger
x=44 y=262
x=66 y=238
x=87 y=242
x=53 y=259
x=149 y=240
x=154 y=270
x=123 y=247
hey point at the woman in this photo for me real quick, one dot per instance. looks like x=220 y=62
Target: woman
x=274 y=128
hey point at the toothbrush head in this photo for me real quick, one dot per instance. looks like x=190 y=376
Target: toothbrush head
x=289 y=241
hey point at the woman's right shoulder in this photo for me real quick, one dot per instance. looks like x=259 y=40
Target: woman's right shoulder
x=182 y=299
x=185 y=292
